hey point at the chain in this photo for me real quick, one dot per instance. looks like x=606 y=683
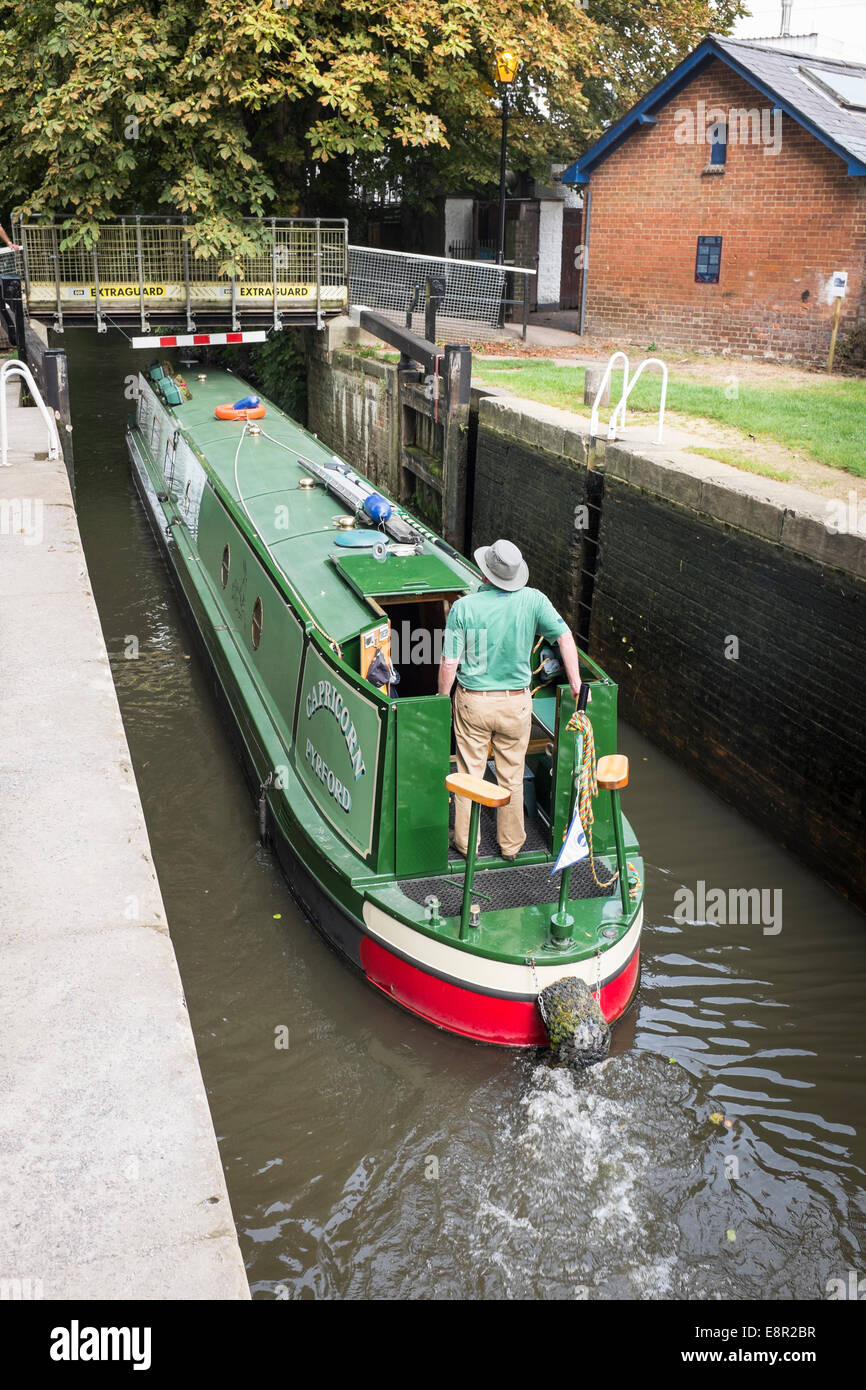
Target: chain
x=597 y=990
x=530 y=961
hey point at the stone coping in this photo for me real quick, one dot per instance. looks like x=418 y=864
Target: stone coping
x=783 y=513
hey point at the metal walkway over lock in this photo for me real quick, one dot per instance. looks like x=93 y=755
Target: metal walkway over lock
x=143 y=269
x=142 y=276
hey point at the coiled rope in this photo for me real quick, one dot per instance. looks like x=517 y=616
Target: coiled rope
x=587 y=789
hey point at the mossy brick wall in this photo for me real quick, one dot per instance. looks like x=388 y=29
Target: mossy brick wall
x=787 y=220
x=778 y=731
x=350 y=405
x=529 y=481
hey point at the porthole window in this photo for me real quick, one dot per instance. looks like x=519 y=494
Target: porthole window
x=225 y=566
x=257 y=624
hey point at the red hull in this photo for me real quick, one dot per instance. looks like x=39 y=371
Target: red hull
x=485 y=1017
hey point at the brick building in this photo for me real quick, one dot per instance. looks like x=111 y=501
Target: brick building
x=719 y=208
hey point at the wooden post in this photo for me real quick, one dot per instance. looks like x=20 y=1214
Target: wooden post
x=455 y=444
x=612 y=775
x=407 y=375
x=836 y=313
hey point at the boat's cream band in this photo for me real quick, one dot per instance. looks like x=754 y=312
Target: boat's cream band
x=341 y=794
x=327 y=696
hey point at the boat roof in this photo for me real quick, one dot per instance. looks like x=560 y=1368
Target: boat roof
x=297 y=526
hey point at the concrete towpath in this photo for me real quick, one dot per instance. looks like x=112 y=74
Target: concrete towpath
x=111 y=1184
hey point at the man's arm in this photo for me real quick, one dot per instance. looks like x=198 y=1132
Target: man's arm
x=447 y=674
x=568 y=652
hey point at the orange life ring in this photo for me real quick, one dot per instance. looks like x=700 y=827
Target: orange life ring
x=228 y=412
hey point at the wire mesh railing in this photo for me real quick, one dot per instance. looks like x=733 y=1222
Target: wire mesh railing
x=475 y=295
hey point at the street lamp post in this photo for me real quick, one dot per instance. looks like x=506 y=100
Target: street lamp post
x=507 y=64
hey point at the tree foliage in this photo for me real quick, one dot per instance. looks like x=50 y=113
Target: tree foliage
x=215 y=109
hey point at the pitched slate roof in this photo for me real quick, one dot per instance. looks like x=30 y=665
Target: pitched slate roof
x=781 y=76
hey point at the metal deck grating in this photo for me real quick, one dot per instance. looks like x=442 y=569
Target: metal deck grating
x=503 y=888
x=536 y=833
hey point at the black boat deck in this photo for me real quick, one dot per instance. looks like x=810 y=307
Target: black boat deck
x=507 y=887
x=537 y=834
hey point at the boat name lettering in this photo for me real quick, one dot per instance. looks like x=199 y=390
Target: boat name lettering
x=341 y=794
x=327 y=696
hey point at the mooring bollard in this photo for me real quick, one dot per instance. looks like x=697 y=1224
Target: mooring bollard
x=591 y=383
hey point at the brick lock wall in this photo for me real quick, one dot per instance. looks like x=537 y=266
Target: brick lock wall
x=787 y=221
x=527 y=493
x=778 y=730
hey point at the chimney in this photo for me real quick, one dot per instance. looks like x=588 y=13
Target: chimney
x=785 y=31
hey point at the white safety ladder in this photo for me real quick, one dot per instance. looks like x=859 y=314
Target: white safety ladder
x=628 y=385
x=7 y=371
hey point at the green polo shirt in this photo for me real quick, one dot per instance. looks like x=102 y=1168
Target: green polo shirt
x=492 y=633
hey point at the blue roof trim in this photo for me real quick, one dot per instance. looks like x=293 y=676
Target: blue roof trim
x=639 y=115
x=578 y=172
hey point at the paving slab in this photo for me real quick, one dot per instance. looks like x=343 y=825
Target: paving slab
x=111 y=1184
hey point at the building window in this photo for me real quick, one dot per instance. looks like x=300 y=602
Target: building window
x=225 y=566
x=709 y=261
x=257 y=624
x=718 y=143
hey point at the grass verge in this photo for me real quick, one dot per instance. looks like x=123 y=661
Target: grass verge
x=825 y=422
x=738 y=460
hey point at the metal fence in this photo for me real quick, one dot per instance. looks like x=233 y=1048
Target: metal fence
x=476 y=298
x=142 y=265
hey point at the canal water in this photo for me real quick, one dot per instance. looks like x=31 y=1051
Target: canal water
x=719 y=1153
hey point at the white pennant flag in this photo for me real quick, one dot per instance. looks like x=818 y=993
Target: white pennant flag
x=574 y=846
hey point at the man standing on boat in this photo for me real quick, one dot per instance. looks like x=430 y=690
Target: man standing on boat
x=488 y=643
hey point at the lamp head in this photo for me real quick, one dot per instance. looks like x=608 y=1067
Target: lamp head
x=507 y=63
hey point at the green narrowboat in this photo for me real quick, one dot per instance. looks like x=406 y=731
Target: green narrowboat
x=295 y=574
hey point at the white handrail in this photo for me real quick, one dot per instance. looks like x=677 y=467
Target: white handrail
x=593 y=422
x=15 y=368
x=621 y=403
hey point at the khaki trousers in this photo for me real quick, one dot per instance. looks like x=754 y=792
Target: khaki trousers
x=505 y=721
